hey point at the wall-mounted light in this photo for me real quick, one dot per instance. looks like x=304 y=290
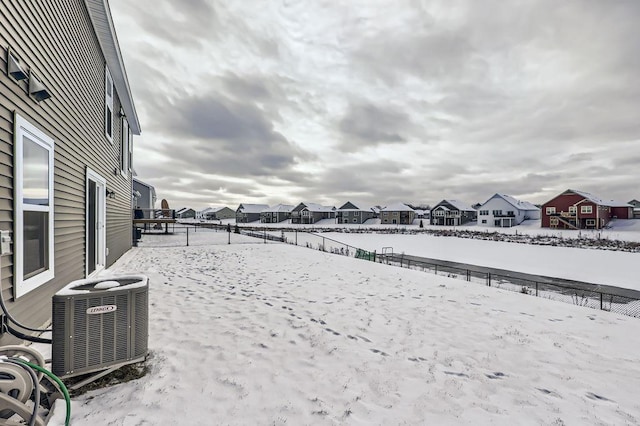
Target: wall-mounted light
x=111 y=194
x=38 y=90
x=13 y=67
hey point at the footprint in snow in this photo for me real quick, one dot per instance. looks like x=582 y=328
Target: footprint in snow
x=453 y=373
x=496 y=375
x=377 y=351
x=597 y=397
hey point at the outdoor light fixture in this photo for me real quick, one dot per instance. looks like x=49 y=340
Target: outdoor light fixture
x=111 y=194
x=13 y=67
x=38 y=90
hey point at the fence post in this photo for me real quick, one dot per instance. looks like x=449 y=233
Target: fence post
x=600 y=300
x=265 y=236
x=435 y=267
x=187 y=236
x=323 y=244
x=296 y=237
x=536 y=289
x=468 y=275
x=489 y=279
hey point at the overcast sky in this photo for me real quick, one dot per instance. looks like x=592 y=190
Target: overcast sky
x=383 y=101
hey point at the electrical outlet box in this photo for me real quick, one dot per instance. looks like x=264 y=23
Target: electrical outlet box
x=5 y=242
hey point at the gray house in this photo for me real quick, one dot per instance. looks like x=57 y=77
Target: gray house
x=185 y=213
x=144 y=197
x=66 y=131
x=351 y=213
x=636 y=208
x=276 y=214
x=308 y=213
x=219 y=213
x=398 y=213
x=452 y=213
x=246 y=213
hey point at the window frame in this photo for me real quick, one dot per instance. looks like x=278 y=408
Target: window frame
x=108 y=103
x=23 y=128
x=588 y=209
x=125 y=147
x=550 y=210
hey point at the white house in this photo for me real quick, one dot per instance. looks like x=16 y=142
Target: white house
x=504 y=211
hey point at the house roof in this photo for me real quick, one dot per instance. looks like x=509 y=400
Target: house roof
x=313 y=207
x=252 y=208
x=356 y=209
x=461 y=206
x=520 y=205
x=397 y=207
x=100 y=16
x=278 y=208
x=597 y=200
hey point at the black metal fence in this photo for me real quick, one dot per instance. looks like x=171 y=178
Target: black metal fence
x=607 y=298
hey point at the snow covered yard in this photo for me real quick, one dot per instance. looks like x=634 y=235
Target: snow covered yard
x=262 y=334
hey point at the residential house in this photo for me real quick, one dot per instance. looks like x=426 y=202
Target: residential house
x=144 y=197
x=351 y=213
x=636 y=208
x=308 y=213
x=216 y=213
x=202 y=214
x=220 y=213
x=397 y=213
x=452 y=213
x=66 y=123
x=504 y=211
x=246 y=213
x=185 y=213
x=276 y=214
x=580 y=210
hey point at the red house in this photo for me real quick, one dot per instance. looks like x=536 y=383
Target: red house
x=581 y=210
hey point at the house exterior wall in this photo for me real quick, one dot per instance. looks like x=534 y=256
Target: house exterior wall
x=274 y=217
x=622 y=212
x=357 y=217
x=397 y=217
x=63 y=50
x=145 y=200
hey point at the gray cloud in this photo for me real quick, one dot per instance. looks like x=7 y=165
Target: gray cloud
x=459 y=100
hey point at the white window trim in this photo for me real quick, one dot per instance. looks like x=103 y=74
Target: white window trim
x=108 y=102
x=24 y=128
x=586 y=209
x=124 y=147
x=550 y=210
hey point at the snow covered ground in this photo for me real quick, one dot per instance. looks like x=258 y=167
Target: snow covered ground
x=618 y=229
x=613 y=268
x=273 y=334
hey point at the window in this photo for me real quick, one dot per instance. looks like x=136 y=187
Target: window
x=573 y=209
x=108 y=105
x=510 y=213
x=554 y=221
x=484 y=220
x=586 y=209
x=497 y=212
x=34 y=255
x=125 y=148
x=591 y=222
x=484 y=212
x=551 y=210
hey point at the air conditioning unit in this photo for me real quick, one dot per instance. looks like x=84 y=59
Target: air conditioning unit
x=99 y=324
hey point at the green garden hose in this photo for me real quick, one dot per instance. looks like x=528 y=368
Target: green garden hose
x=55 y=378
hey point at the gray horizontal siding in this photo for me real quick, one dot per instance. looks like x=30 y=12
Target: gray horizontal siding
x=56 y=40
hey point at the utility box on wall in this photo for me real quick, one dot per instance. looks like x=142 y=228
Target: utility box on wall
x=100 y=323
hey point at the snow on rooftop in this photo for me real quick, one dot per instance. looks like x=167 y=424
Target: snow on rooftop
x=461 y=206
x=252 y=208
x=279 y=208
x=518 y=204
x=600 y=201
x=397 y=207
